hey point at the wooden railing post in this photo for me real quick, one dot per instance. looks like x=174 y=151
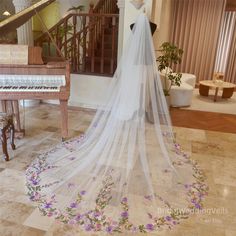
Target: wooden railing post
x=65 y=37
x=74 y=48
x=103 y=40
x=84 y=42
x=91 y=8
x=113 y=45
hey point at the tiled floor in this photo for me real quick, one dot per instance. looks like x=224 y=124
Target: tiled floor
x=213 y=150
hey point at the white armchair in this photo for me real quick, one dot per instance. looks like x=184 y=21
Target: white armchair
x=182 y=96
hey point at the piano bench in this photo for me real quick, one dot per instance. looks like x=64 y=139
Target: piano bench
x=6 y=124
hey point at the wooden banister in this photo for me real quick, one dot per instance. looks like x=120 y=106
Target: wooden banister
x=88 y=40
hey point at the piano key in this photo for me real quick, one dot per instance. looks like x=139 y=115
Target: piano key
x=29 y=89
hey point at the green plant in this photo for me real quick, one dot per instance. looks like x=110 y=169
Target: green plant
x=170 y=54
x=78 y=9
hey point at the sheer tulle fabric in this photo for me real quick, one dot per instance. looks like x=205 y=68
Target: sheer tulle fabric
x=126 y=173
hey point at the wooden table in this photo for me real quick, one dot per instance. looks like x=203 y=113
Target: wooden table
x=205 y=85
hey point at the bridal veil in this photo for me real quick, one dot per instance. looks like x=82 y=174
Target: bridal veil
x=125 y=173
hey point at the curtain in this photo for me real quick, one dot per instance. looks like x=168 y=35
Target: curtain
x=230 y=74
x=225 y=39
x=195 y=29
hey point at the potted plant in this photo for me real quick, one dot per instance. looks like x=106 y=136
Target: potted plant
x=170 y=54
x=77 y=9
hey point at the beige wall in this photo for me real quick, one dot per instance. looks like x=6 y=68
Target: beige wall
x=159 y=12
x=163 y=32
x=65 y=5
x=50 y=16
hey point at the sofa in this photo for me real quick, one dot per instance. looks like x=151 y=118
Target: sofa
x=181 y=96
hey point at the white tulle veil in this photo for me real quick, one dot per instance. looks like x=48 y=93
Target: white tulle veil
x=126 y=173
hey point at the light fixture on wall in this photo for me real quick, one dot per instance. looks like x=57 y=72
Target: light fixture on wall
x=6 y=13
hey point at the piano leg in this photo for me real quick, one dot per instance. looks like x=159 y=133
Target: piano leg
x=4 y=143
x=12 y=136
x=19 y=132
x=64 y=119
x=3 y=106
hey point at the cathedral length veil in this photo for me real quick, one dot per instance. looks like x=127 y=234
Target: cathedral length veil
x=124 y=173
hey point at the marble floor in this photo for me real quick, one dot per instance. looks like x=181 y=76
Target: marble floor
x=214 y=151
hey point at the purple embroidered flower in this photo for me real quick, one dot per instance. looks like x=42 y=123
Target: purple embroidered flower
x=72 y=222
x=34 y=181
x=109 y=229
x=124 y=214
x=73 y=205
x=186 y=185
x=193 y=200
x=198 y=206
x=168 y=218
x=35 y=197
x=124 y=200
x=148 y=197
x=88 y=227
x=174 y=222
x=72 y=158
x=200 y=195
x=150 y=227
x=78 y=217
x=96 y=214
x=47 y=205
x=83 y=192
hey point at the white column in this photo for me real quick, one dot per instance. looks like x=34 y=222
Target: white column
x=121 y=6
x=25 y=36
x=24 y=32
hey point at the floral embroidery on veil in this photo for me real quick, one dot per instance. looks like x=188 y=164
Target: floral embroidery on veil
x=124 y=174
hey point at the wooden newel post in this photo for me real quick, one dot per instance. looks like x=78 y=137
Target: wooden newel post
x=91 y=8
x=91 y=33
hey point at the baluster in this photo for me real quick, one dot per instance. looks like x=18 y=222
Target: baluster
x=78 y=53
x=73 y=45
x=57 y=38
x=91 y=8
x=84 y=42
x=103 y=40
x=66 y=28
x=92 y=44
x=49 y=51
x=113 y=44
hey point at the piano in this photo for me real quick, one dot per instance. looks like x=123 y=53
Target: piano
x=27 y=76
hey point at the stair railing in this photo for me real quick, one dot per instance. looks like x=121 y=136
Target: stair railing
x=106 y=6
x=78 y=36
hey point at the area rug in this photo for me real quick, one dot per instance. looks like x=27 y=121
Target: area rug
x=200 y=103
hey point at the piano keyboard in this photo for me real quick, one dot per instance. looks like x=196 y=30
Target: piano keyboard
x=31 y=83
x=29 y=89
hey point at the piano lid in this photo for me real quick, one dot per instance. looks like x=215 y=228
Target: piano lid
x=23 y=16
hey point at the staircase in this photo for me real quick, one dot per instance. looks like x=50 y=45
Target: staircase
x=88 y=40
